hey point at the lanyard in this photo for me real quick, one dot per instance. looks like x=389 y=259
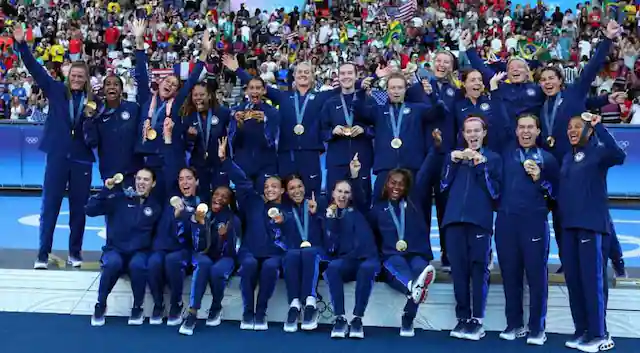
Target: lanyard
x=205 y=137
x=396 y=125
x=348 y=113
x=303 y=229
x=108 y=112
x=400 y=224
x=296 y=103
x=154 y=118
x=75 y=115
x=550 y=120
x=537 y=157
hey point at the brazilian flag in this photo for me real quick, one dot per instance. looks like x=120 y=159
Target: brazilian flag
x=396 y=31
x=530 y=50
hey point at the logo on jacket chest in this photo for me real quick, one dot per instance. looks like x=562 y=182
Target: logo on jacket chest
x=531 y=92
x=125 y=115
x=578 y=157
x=484 y=107
x=148 y=211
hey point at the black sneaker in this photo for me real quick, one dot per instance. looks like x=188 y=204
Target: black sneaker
x=157 y=315
x=291 y=325
x=189 y=324
x=406 y=330
x=137 y=317
x=309 y=318
x=355 y=329
x=458 y=331
x=511 y=333
x=175 y=315
x=97 y=319
x=340 y=328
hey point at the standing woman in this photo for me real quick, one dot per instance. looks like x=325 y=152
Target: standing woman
x=398 y=219
x=584 y=208
x=473 y=177
x=114 y=132
x=69 y=160
x=351 y=246
x=303 y=238
x=300 y=142
x=262 y=249
x=253 y=135
x=216 y=236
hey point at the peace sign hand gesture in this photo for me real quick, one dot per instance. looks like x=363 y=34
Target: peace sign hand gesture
x=313 y=205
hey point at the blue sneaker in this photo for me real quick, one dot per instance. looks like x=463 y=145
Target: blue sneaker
x=309 y=318
x=248 y=321
x=189 y=324
x=406 y=329
x=291 y=325
x=97 y=319
x=356 y=330
x=340 y=328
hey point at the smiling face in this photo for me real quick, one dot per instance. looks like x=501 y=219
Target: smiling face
x=77 y=78
x=527 y=131
x=255 y=91
x=295 y=190
x=396 y=186
x=168 y=87
x=574 y=130
x=474 y=133
x=144 y=182
x=220 y=199
x=342 y=194
x=443 y=65
x=396 y=89
x=303 y=75
x=112 y=88
x=347 y=76
x=187 y=182
x=550 y=82
x=517 y=71
x=273 y=189
x=473 y=85
x=200 y=98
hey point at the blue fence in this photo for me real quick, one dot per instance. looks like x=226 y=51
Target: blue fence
x=22 y=164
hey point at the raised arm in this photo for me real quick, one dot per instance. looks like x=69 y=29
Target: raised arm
x=48 y=85
x=141 y=72
x=194 y=77
x=231 y=63
x=244 y=186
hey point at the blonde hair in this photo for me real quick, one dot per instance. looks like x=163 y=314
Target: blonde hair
x=451 y=77
x=88 y=92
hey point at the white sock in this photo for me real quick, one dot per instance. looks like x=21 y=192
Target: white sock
x=311 y=301
x=295 y=303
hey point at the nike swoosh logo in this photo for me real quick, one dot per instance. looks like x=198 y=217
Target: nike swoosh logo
x=536 y=239
x=338 y=107
x=479 y=236
x=585 y=241
x=313 y=176
x=105 y=120
x=464 y=109
x=131 y=206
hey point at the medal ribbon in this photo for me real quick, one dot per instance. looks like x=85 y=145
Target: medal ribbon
x=205 y=134
x=153 y=112
x=396 y=124
x=348 y=113
x=523 y=156
x=296 y=105
x=401 y=223
x=550 y=119
x=303 y=229
x=73 y=114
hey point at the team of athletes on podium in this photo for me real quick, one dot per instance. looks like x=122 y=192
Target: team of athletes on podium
x=514 y=147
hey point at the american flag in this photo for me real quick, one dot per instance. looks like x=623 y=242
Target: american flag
x=407 y=10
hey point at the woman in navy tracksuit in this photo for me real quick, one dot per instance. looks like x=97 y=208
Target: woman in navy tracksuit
x=565 y=101
x=113 y=131
x=351 y=246
x=205 y=121
x=530 y=181
x=260 y=255
x=473 y=178
x=584 y=205
x=398 y=219
x=69 y=159
x=216 y=237
x=303 y=234
x=172 y=241
x=399 y=129
x=253 y=135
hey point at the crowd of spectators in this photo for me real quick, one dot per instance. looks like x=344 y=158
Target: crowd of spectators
x=270 y=41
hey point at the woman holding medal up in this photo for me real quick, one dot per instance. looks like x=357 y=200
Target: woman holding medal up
x=398 y=219
x=399 y=128
x=584 y=208
x=114 y=132
x=216 y=236
x=344 y=135
x=253 y=135
x=300 y=143
x=351 y=246
x=303 y=238
x=564 y=101
x=171 y=243
x=522 y=230
x=156 y=106
x=69 y=158
x=262 y=249
x=473 y=178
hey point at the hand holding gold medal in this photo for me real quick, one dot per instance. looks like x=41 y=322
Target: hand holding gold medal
x=90 y=108
x=201 y=212
x=275 y=215
x=113 y=181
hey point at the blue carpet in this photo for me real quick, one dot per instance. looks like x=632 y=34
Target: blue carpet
x=38 y=333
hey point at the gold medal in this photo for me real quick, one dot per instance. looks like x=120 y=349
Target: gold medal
x=586 y=116
x=202 y=208
x=152 y=134
x=305 y=244
x=529 y=163
x=401 y=245
x=273 y=212
x=298 y=129
x=347 y=131
x=551 y=141
x=91 y=105
x=175 y=201
x=396 y=143
x=118 y=178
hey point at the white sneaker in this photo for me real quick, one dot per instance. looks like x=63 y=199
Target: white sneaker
x=537 y=340
x=420 y=286
x=40 y=265
x=74 y=262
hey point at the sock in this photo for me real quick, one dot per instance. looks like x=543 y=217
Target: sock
x=295 y=303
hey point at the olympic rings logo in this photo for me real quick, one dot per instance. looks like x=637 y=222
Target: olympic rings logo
x=324 y=309
x=31 y=140
x=624 y=144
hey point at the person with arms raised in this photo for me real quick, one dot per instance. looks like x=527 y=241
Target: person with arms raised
x=132 y=217
x=69 y=159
